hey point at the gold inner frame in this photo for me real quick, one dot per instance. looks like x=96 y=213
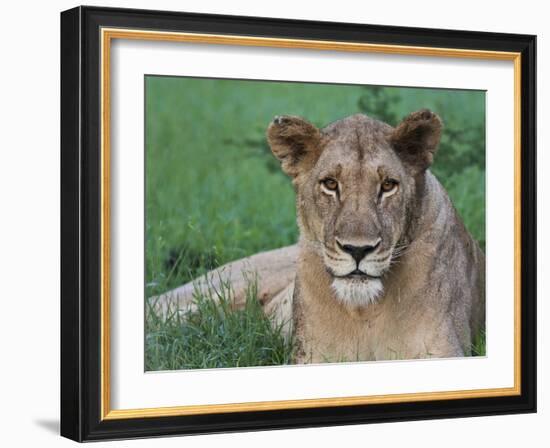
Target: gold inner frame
x=107 y=35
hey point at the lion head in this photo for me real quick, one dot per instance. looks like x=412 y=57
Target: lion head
x=358 y=182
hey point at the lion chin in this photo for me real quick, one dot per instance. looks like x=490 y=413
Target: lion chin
x=357 y=292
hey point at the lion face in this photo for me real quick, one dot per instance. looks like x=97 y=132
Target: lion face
x=357 y=183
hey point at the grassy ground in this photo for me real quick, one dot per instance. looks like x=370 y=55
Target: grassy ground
x=214 y=193
x=216 y=336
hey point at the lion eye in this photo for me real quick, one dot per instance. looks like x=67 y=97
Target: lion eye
x=330 y=184
x=388 y=185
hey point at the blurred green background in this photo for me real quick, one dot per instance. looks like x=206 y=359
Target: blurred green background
x=215 y=193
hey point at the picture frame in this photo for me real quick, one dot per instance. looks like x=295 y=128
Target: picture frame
x=87 y=35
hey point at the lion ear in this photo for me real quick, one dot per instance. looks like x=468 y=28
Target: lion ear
x=295 y=142
x=416 y=139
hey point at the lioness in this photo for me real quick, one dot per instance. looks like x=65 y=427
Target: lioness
x=385 y=267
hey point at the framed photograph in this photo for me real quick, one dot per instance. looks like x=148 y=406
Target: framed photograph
x=272 y=223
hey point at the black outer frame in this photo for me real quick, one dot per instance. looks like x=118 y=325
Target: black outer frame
x=80 y=223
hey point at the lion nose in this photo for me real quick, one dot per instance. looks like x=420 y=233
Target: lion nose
x=358 y=252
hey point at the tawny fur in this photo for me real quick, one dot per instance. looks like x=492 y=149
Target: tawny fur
x=431 y=298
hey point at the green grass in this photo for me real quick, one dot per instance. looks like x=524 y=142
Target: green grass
x=478 y=347
x=214 y=335
x=214 y=193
